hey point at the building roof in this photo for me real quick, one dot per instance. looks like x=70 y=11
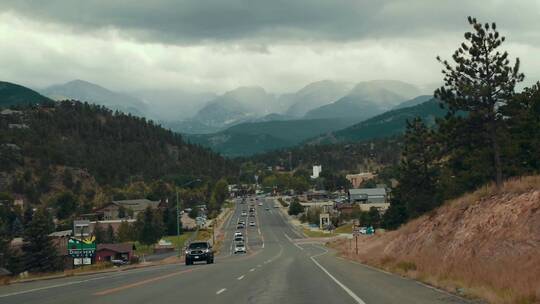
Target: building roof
x=368 y=191
x=120 y=248
x=4 y=272
x=63 y=233
x=137 y=204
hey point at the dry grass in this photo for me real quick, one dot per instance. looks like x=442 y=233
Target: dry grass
x=485 y=244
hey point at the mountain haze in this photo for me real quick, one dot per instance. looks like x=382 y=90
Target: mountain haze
x=388 y=124
x=93 y=93
x=314 y=95
x=367 y=99
x=257 y=137
x=236 y=106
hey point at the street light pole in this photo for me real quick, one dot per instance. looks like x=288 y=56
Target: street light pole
x=178 y=213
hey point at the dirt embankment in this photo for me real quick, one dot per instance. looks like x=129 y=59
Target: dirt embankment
x=485 y=244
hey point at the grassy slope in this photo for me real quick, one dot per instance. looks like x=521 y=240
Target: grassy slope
x=485 y=244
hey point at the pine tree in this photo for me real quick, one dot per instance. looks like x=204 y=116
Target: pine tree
x=109 y=234
x=149 y=227
x=295 y=207
x=125 y=232
x=417 y=191
x=40 y=254
x=481 y=80
x=99 y=234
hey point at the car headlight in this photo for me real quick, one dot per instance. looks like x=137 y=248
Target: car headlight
x=187 y=251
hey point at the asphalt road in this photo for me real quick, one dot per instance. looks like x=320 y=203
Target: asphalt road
x=275 y=270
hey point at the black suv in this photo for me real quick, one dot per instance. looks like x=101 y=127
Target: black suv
x=199 y=252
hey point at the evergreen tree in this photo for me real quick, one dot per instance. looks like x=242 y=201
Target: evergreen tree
x=99 y=234
x=109 y=234
x=149 y=227
x=417 y=191
x=295 y=207
x=481 y=80
x=125 y=232
x=39 y=252
x=523 y=124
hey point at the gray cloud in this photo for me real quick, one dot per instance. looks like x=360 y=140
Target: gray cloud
x=216 y=45
x=181 y=22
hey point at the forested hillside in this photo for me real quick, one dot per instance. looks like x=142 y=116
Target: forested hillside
x=111 y=148
x=388 y=124
x=13 y=94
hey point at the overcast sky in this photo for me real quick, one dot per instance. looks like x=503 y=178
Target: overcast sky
x=217 y=45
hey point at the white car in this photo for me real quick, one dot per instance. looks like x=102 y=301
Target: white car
x=239 y=248
x=237 y=233
x=251 y=224
x=244 y=213
x=260 y=204
x=239 y=239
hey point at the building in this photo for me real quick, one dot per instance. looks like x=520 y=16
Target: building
x=317 y=195
x=132 y=208
x=368 y=195
x=60 y=241
x=10 y=112
x=316 y=171
x=108 y=252
x=325 y=206
x=357 y=179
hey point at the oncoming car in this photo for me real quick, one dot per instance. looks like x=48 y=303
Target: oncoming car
x=240 y=248
x=199 y=252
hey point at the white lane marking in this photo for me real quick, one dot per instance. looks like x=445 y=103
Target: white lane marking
x=252 y=269
x=54 y=286
x=292 y=242
x=240 y=277
x=345 y=288
x=221 y=290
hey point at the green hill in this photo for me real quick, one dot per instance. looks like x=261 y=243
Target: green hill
x=385 y=125
x=257 y=137
x=13 y=95
x=113 y=148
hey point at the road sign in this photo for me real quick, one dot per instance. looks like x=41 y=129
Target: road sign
x=82 y=249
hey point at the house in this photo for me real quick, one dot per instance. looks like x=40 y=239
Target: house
x=325 y=206
x=4 y=272
x=369 y=197
x=10 y=112
x=60 y=242
x=108 y=252
x=357 y=179
x=18 y=126
x=111 y=211
x=317 y=195
x=115 y=224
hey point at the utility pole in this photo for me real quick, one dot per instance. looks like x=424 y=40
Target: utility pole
x=178 y=222
x=178 y=213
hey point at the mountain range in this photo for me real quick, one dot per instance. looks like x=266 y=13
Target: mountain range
x=93 y=93
x=256 y=137
x=250 y=120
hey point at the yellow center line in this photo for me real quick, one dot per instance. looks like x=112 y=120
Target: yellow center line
x=132 y=285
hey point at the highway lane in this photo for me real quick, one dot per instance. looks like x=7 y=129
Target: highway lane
x=274 y=270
